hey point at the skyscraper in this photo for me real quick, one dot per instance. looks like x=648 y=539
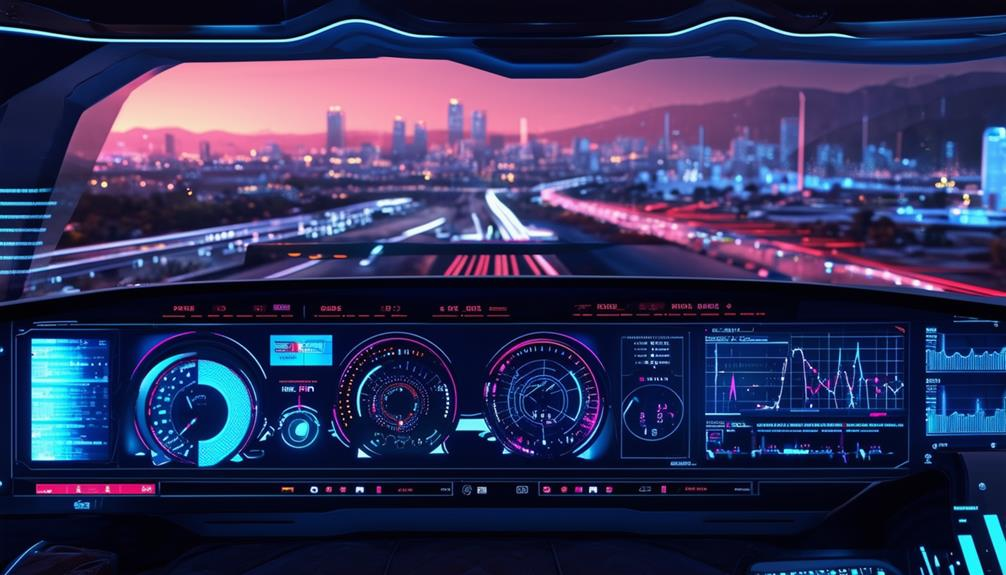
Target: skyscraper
x=581 y=153
x=398 y=144
x=523 y=132
x=336 y=135
x=865 y=143
x=169 y=146
x=702 y=146
x=789 y=132
x=994 y=167
x=950 y=157
x=801 y=142
x=479 y=129
x=204 y=152
x=455 y=122
x=420 y=141
x=666 y=143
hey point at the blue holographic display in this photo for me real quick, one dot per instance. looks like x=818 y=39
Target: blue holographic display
x=69 y=399
x=315 y=350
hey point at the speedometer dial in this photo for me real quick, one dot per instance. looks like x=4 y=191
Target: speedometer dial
x=198 y=411
x=396 y=396
x=542 y=397
x=196 y=401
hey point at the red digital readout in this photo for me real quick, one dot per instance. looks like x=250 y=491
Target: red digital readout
x=95 y=489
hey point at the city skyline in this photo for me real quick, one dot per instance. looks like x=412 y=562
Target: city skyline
x=286 y=97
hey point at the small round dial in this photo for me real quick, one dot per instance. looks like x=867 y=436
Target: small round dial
x=542 y=397
x=652 y=412
x=396 y=396
x=299 y=426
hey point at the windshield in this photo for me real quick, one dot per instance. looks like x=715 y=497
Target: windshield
x=878 y=175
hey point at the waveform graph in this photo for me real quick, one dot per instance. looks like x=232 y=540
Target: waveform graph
x=745 y=375
x=965 y=381
x=966 y=409
x=965 y=353
x=805 y=371
x=825 y=442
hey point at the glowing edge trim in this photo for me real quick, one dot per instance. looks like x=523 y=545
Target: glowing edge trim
x=386 y=28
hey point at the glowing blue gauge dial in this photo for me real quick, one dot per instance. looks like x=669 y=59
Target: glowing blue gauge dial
x=396 y=397
x=542 y=397
x=299 y=426
x=195 y=411
x=652 y=412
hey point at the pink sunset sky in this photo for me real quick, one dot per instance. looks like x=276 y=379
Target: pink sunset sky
x=292 y=97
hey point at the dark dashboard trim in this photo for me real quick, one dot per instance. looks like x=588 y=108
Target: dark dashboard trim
x=955 y=304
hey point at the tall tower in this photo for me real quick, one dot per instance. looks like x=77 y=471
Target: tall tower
x=865 y=143
x=801 y=143
x=336 y=132
x=994 y=167
x=479 y=128
x=667 y=133
x=455 y=122
x=702 y=146
x=420 y=141
x=523 y=132
x=789 y=134
x=398 y=145
x=169 y=146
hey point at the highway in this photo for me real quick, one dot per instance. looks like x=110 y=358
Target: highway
x=204 y=250
x=485 y=219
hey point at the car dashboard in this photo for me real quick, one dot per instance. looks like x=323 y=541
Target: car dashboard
x=503 y=404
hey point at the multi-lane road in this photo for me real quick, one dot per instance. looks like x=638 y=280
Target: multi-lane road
x=482 y=234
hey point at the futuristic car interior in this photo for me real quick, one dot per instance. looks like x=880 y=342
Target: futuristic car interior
x=443 y=287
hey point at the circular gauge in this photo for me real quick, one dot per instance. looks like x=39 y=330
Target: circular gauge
x=396 y=396
x=299 y=426
x=542 y=397
x=196 y=402
x=652 y=412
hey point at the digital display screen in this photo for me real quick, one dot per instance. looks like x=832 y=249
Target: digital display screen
x=70 y=399
x=817 y=395
x=965 y=382
x=654 y=398
x=300 y=350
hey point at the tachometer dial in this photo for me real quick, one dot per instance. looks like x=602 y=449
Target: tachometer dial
x=396 y=396
x=542 y=396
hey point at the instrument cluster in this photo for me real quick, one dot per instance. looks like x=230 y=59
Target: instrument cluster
x=532 y=392
x=205 y=398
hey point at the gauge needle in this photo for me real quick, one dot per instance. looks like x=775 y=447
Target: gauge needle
x=190 y=424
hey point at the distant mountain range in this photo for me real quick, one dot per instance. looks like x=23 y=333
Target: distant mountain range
x=927 y=111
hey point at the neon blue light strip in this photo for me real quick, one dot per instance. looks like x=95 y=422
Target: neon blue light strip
x=289 y=40
x=386 y=28
x=925 y=559
x=17 y=562
x=737 y=20
x=971 y=560
x=25 y=190
x=43 y=203
x=19 y=230
x=998 y=540
x=25 y=216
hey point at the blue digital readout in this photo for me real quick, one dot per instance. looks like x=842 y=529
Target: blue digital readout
x=69 y=399
x=314 y=350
